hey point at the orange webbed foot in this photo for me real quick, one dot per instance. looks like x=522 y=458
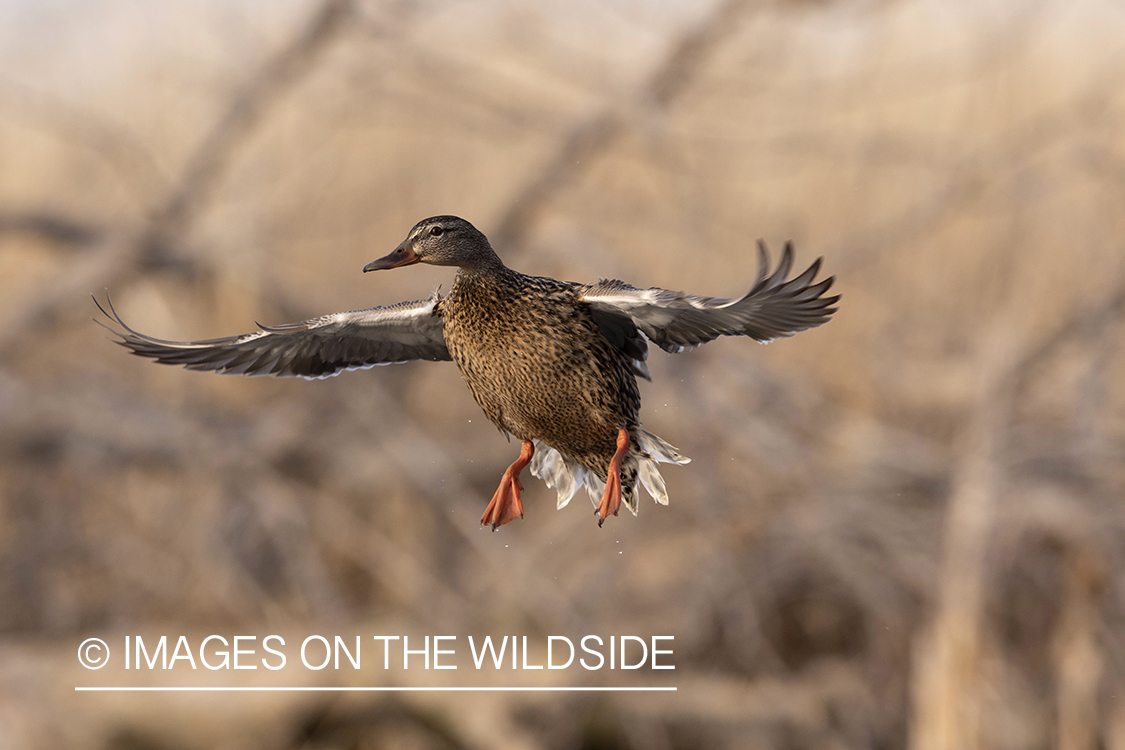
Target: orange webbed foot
x=611 y=498
x=506 y=504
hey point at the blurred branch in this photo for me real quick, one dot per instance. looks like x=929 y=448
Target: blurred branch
x=122 y=253
x=947 y=689
x=30 y=310
x=130 y=431
x=52 y=227
x=1088 y=323
x=947 y=698
x=208 y=165
x=597 y=134
x=679 y=70
x=112 y=142
x=1077 y=651
x=976 y=173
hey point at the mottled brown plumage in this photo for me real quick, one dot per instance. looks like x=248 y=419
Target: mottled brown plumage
x=539 y=367
x=553 y=363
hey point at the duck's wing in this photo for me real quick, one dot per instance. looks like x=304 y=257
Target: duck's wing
x=313 y=349
x=674 y=321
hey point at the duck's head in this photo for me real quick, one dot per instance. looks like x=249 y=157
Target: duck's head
x=440 y=241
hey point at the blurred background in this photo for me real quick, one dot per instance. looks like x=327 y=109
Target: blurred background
x=903 y=529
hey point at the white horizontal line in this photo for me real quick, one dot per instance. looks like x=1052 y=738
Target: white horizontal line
x=313 y=689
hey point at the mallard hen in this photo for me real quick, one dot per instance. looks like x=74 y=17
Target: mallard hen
x=553 y=363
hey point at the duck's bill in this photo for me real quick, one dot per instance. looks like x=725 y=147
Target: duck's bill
x=403 y=255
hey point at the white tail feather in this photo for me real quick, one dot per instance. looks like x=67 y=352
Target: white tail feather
x=547 y=464
x=653 y=482
x=660 y=450
x=567 y=476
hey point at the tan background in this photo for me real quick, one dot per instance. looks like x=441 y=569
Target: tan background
x=903 y=529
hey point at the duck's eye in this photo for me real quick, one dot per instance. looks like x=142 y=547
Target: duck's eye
x=436 y=231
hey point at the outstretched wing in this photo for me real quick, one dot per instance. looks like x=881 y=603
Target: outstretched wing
x=674 y=321
x=313 y=349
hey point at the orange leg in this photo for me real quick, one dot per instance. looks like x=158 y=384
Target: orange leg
x=506 y=504
x=611 y=500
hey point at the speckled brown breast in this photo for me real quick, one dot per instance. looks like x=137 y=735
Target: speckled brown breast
x=537 y=364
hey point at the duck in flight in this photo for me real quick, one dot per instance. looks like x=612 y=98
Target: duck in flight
x=553 y=363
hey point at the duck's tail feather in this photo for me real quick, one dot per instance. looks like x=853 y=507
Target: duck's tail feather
x=656 y=451
x=567 y=476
